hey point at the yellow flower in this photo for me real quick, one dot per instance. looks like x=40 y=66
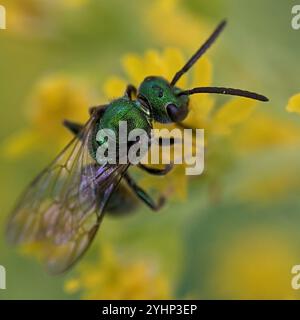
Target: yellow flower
x=114 y=277
x=219 y=121
x=255 y=264
x=54 y=99
x=294 y=104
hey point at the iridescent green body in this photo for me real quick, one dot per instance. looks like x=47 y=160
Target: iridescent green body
x=157 y=99
x=153 y=98
x=130 y=111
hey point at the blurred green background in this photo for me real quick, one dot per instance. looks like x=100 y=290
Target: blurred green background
x=242 y=244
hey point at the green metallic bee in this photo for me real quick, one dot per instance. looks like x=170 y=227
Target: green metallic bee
x=63 y=207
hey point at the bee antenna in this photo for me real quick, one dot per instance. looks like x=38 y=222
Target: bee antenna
x=199 y=53
x=221 y=90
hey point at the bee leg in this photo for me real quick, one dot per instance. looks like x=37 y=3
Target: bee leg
x=130 y=91
x=142 y=195
x=99 y=109
x=156 y=171
x=74 y=127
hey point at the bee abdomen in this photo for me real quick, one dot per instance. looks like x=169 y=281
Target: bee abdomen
x=122 y=202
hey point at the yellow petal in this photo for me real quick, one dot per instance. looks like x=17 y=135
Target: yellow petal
x=134 y=67
x=175 y=186
x=154 y=64
x=201 y=104
x=55 y=98
x=294 y=104
x=202 y=76
x=231 y=114
x=200 y=108
x=174 y=60
x=114 y=87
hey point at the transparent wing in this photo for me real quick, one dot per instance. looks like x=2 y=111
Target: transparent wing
x=61 y=210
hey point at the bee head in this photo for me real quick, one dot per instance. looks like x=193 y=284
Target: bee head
x=163 y=100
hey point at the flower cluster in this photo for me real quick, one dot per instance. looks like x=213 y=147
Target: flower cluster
x=114 y=276
x=54 y=98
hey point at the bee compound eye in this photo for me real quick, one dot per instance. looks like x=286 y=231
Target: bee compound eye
x=172 y=111
x=176 y=114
